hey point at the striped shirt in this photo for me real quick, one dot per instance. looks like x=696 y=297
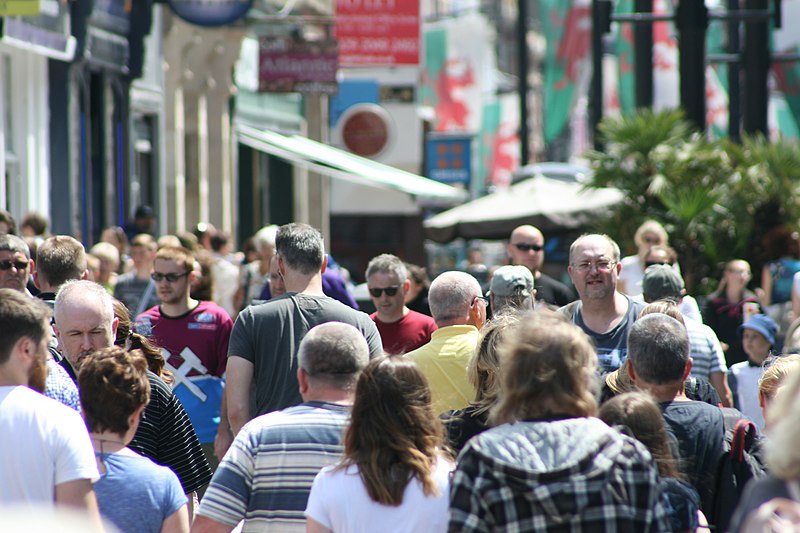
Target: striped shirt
x=705 y=350
x=266 y=476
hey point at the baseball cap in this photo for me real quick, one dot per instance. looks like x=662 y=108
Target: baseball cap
x=507 y=280
x=762 y=324
x=660 y=282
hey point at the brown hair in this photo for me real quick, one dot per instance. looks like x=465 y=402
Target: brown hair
x=183 y=257
x=547 y=367
x=640 y=414
x=483 y=370
x=393 y=435
x=127 y=338
x=112 y=383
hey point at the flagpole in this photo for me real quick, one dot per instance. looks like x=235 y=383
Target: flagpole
x=522 y=67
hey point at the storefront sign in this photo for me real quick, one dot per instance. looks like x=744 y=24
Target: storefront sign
x=22 y=8
x=107 y=34
x=47 y=33
x=210 y=12
x=291 y=64
x=377 y=32
x=449 y=158
x=366 y=129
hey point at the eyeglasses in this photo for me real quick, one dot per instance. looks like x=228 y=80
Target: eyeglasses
x=377 y=292
x=524 y=247
x=19 y=265
x=171 y=277
x=484 y=299
x=601 y=266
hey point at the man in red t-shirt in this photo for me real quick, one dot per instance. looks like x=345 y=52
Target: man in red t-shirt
x=193 y=335
x=401 y=329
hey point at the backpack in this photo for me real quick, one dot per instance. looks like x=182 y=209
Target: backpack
x=739 y=463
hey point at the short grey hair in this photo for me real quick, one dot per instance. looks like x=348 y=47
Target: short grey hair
x=14 y=244
x=451 y=294
x=387 y=264
x=301 y=247
x=519 y=302
x=615 y=253
x=85 y=290
x=333 y=353
x=658 y=348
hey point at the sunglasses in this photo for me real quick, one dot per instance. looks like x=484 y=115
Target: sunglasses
x=522 y=247
x=19 y=265
x=390 y=291
x=171 y=277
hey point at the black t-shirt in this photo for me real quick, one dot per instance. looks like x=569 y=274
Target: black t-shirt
x=553 y=291
x=699 y=429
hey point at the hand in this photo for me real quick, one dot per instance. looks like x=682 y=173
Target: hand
x=222 y=442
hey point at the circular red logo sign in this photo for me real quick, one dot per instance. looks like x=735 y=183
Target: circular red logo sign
x=365 y=132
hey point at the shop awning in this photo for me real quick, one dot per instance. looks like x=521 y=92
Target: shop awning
x=324 y=159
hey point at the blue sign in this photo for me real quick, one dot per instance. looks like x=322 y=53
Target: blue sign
x=210 y=12
x=352 y=92
x=449 y=158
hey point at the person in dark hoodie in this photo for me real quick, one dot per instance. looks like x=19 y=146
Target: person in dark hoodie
x=549 y=464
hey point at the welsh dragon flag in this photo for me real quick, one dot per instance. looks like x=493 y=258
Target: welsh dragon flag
x=787 y=76
x=567 y=27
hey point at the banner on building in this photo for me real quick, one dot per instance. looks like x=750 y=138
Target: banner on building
x=377 y=33
x=288 y=63
x=499 y=146
x=458 y=72
x=787 y=76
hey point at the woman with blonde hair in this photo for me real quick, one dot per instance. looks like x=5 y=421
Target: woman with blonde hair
x=483 y=373
x=776 y=370
x=781 y=452
x=649 y=233
x=394 y=475
x=549 y=463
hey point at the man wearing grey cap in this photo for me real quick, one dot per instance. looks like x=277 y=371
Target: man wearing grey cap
x=511 y=290
x=661 y=282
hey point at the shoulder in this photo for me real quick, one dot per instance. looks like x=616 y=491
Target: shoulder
x=211 y=309
x=419 y=318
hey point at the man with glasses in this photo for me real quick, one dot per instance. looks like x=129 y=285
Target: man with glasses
x=15 y=263
x=266 y=337
x=459 y=310
x=196 y=335
x=526 y=248
x=601 y=312
x=401 y=329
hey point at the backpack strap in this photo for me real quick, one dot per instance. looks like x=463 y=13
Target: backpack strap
x=745 y=434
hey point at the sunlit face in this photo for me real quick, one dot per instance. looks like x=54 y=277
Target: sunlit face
x=755 y=345
x=171 y=292
x=388 y=306
x=276 y=285
x=593 y=269
x=16 y=275
x=737 y=274
x=526 y=248
x=142 y=257
x=83 y=326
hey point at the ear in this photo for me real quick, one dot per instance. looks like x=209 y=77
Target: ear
x=762 y=400
x=35 y=276
x=302 y=380
x=324 y=263
x=85 y=274
x=688 y=369
x=114 y=325
x=406 y=285
x=618 y=267
x=281 y=266
x=631 y=371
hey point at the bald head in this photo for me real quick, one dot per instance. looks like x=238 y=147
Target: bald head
x=84 y=320
x=526 y=247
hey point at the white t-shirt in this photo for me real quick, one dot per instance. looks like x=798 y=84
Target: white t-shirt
x=42 y=444
x=744 y=386
x=340 y=502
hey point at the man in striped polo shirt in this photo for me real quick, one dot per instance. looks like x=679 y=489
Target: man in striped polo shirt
x=267 y=473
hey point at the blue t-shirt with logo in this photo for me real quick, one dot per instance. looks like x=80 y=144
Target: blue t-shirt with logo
x=612 y=346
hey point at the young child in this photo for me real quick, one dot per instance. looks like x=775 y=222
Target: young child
x=758 y=338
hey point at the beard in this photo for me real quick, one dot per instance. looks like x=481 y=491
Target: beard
x=37 y=376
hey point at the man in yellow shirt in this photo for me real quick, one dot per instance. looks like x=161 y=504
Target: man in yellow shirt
x=459 y=310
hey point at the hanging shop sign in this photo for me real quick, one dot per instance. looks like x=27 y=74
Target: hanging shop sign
x=210 y=12
x=377 y=32
x=288 y=63
x=449 y=158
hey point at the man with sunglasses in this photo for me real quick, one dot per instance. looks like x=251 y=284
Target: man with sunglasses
x=15 y=263
x=526 y=248
x=401 y=329
x=196 y=335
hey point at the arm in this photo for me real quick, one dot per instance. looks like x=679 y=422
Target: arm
x=177 y=522
x=203 y=524
x=78 y=493
x=719 y=383
x=766 y=286
x=237 y=390
x=312 y=526
x=224 y=436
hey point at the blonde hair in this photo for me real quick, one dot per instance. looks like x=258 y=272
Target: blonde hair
x=547 y=367
x=783 y=416
x=483 y=370
x=651 y=226
x=775 y=374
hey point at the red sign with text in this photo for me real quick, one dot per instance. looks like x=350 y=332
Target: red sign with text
x=377 y=32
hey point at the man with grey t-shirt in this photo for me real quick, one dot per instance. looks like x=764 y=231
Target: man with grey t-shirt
x=266 y=337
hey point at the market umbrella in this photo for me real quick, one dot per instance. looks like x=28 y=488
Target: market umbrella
x=552 y=205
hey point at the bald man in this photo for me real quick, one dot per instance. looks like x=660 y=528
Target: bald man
x=526 y=248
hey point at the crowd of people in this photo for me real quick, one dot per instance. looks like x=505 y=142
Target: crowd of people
x=170 y=385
